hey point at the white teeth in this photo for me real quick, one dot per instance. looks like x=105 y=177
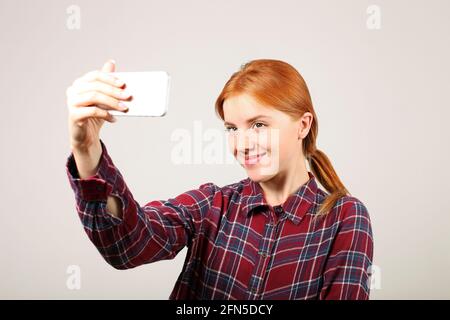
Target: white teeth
x=255 y=155
x=254 y=159
x=251 y=159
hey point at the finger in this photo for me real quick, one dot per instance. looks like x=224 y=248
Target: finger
x=109 y=66
x=81 y=114
x=103 y=88
x=90 y=98
x=97 y=75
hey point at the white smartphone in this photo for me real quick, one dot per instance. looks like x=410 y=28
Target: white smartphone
x=149 y=93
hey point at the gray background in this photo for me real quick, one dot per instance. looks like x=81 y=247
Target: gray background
x=381 y=98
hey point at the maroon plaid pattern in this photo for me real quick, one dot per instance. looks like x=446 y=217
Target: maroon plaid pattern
x=239 y=247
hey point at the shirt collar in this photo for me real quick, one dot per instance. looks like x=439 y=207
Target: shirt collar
x=295 y=206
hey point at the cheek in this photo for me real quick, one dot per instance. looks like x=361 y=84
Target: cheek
x=282 y=151
x=287 y=145
x=233 y=141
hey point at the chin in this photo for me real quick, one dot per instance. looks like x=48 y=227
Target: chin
x=258 y=174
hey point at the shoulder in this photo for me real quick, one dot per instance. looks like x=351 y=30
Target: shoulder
x=212 y=188
x=353 y=214
x=346 y=209
x=208 y=194
x=351 y=203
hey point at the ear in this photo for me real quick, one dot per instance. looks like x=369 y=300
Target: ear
x=304 y=125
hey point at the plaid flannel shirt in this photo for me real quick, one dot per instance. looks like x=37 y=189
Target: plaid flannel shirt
x=238 y=246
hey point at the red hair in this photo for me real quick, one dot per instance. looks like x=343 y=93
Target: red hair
x=278 y=84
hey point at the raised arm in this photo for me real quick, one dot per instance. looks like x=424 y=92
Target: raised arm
x=155 y=231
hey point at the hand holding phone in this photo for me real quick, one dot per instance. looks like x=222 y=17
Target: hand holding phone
x=149 y=93
x=98 y=96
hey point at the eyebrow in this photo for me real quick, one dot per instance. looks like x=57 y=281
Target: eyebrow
x=249 y=120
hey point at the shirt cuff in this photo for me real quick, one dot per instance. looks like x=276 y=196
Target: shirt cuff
x=96 y=187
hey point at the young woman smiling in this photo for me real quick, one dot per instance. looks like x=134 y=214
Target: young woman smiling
x=273 y=235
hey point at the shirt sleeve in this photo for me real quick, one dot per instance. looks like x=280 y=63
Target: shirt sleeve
x=156 y=231
x=347 y=269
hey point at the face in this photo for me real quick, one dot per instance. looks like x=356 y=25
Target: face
x=264 y=140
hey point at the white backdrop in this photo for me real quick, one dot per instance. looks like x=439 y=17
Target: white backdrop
x=378 y=72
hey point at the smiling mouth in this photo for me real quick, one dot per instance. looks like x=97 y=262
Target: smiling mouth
x=253 y=158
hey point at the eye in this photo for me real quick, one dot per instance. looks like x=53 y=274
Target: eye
x=259 y=124
x=229 y=128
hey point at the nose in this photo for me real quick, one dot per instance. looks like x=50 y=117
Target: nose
x=246 y=142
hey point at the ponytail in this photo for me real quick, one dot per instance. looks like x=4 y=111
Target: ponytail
x=322 y=169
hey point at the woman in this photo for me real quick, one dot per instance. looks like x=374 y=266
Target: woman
x=273 y=235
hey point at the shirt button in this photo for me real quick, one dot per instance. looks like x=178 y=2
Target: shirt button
x=279 y=209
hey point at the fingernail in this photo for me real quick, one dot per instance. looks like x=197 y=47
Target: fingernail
x=123 y=106
x=112 y=61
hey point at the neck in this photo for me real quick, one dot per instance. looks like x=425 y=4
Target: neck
x=280 y=187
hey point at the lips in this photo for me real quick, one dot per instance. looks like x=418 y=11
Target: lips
x=252 y=159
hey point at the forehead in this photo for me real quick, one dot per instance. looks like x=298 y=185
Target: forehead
x=244 y=106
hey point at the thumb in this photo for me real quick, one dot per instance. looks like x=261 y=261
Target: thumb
x=109 y=66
